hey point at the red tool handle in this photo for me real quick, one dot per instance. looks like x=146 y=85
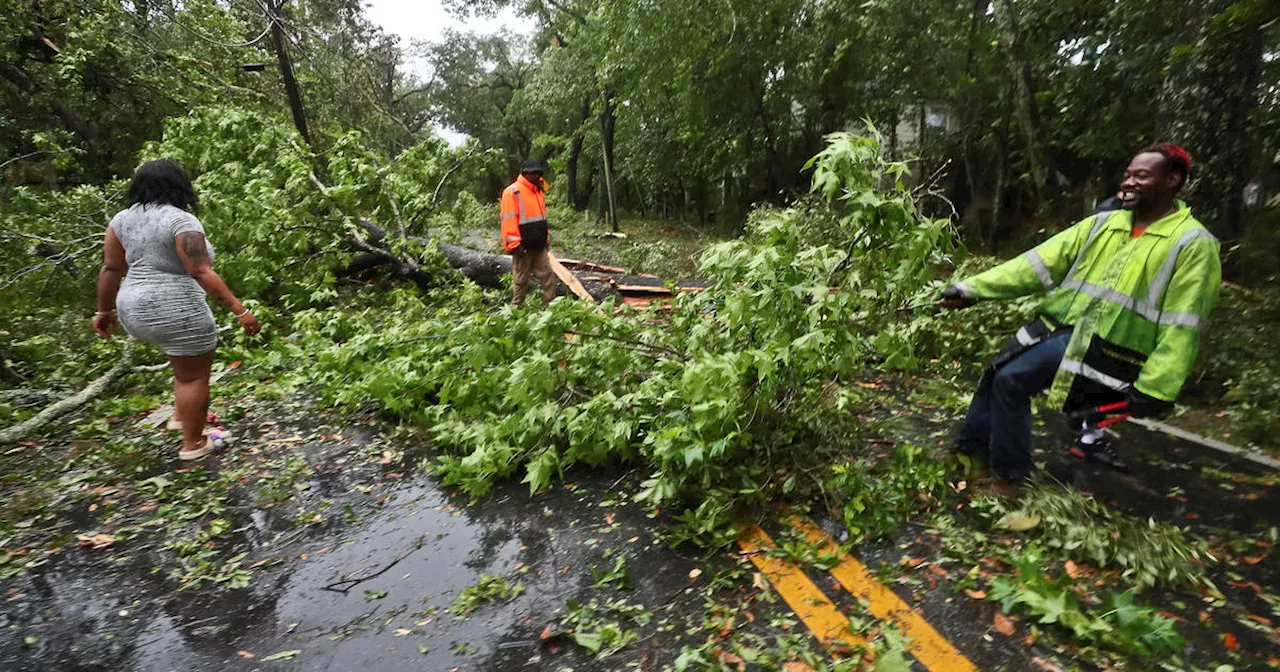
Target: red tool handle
x=1113 y=420
x=1103 y=409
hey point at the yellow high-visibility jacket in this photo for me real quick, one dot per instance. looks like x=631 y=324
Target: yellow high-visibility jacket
x=1137 y=306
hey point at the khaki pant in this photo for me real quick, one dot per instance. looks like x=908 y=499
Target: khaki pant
x=524 y=266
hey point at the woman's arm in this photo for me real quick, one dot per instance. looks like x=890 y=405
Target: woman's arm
x=113 y=269
x=195 y=258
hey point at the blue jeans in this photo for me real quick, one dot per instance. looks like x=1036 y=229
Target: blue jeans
x=999 y=419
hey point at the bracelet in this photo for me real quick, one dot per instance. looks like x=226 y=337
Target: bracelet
x=246 y=312
x=100 y=313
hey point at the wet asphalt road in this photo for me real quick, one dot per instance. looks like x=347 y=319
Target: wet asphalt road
x=95 y=612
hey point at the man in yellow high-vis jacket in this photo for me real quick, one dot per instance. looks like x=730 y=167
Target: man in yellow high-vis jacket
x=1128 y=295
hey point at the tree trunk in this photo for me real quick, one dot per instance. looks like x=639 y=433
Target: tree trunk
x=972 y=174
x=774 y=164
x=69 y=117
x=608 y=123
x=1205 y=106
x=576 y=197
x=1024 y=97
x=1002 y=154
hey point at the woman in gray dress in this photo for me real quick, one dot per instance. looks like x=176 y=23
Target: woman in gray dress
x=158 y=248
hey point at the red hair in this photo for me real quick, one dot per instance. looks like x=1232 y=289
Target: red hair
x=1176 y=159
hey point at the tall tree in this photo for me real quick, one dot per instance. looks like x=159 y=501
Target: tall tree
x=1024 y=94
x=1208 y=99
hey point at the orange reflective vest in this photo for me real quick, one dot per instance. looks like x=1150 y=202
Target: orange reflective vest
x=524 y=216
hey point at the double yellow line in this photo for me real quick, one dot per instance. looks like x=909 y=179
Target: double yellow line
x=820 y=614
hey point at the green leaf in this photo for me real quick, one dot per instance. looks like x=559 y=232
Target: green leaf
x=1018 y=521
x=591 y=641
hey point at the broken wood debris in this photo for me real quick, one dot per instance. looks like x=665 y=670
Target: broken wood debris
x=579 y=265
x=569 y=279
x=644 y=289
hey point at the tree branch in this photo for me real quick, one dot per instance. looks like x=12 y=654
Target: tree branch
x=456 y=166
x=94 y=390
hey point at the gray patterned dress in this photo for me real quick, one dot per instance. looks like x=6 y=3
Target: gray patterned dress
x=159 y=302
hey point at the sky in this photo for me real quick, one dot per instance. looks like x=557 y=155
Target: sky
x=427 y=20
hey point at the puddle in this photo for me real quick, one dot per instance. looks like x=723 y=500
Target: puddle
x=547 y=543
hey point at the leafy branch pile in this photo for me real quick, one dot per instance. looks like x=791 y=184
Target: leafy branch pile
x=1113 y=621
x=730 y=397
x=1148 y=553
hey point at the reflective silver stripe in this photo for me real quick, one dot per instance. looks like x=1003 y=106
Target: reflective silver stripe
x=523 y=219
x=1114 y=296
x=1161 y=281
x=1142 y=308
x=1180 y=320
x=964 y=290
x=1037 y=263
x=1025 y=338
x=1082 y=369
x=510 y=215
x=1098 y=220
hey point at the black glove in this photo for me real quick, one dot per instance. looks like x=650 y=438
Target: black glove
x=954 y=299
x=1144 y=405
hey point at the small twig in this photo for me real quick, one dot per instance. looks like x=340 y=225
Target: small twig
x=24 y=156
x=436 y=195
x=615 y=483
x=632 y=341
x=933 y=179
x=395 y=206
x=418 y=543
x=363 y=243
x=309 y=259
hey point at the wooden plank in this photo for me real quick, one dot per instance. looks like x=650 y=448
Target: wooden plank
x=569 y=279
x=589 y=266
x=643 y=289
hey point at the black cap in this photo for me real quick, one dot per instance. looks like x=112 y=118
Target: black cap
x=533 y=166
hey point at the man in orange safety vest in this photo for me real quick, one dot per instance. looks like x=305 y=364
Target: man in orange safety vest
x=524 y=232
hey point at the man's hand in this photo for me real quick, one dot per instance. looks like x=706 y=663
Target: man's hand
x=953 y=299
x=1146 y=406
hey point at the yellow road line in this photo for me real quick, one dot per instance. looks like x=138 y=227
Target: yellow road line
x=810 y=604
x=930 y=648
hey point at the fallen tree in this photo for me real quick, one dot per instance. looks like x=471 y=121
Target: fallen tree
x=483 y=268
